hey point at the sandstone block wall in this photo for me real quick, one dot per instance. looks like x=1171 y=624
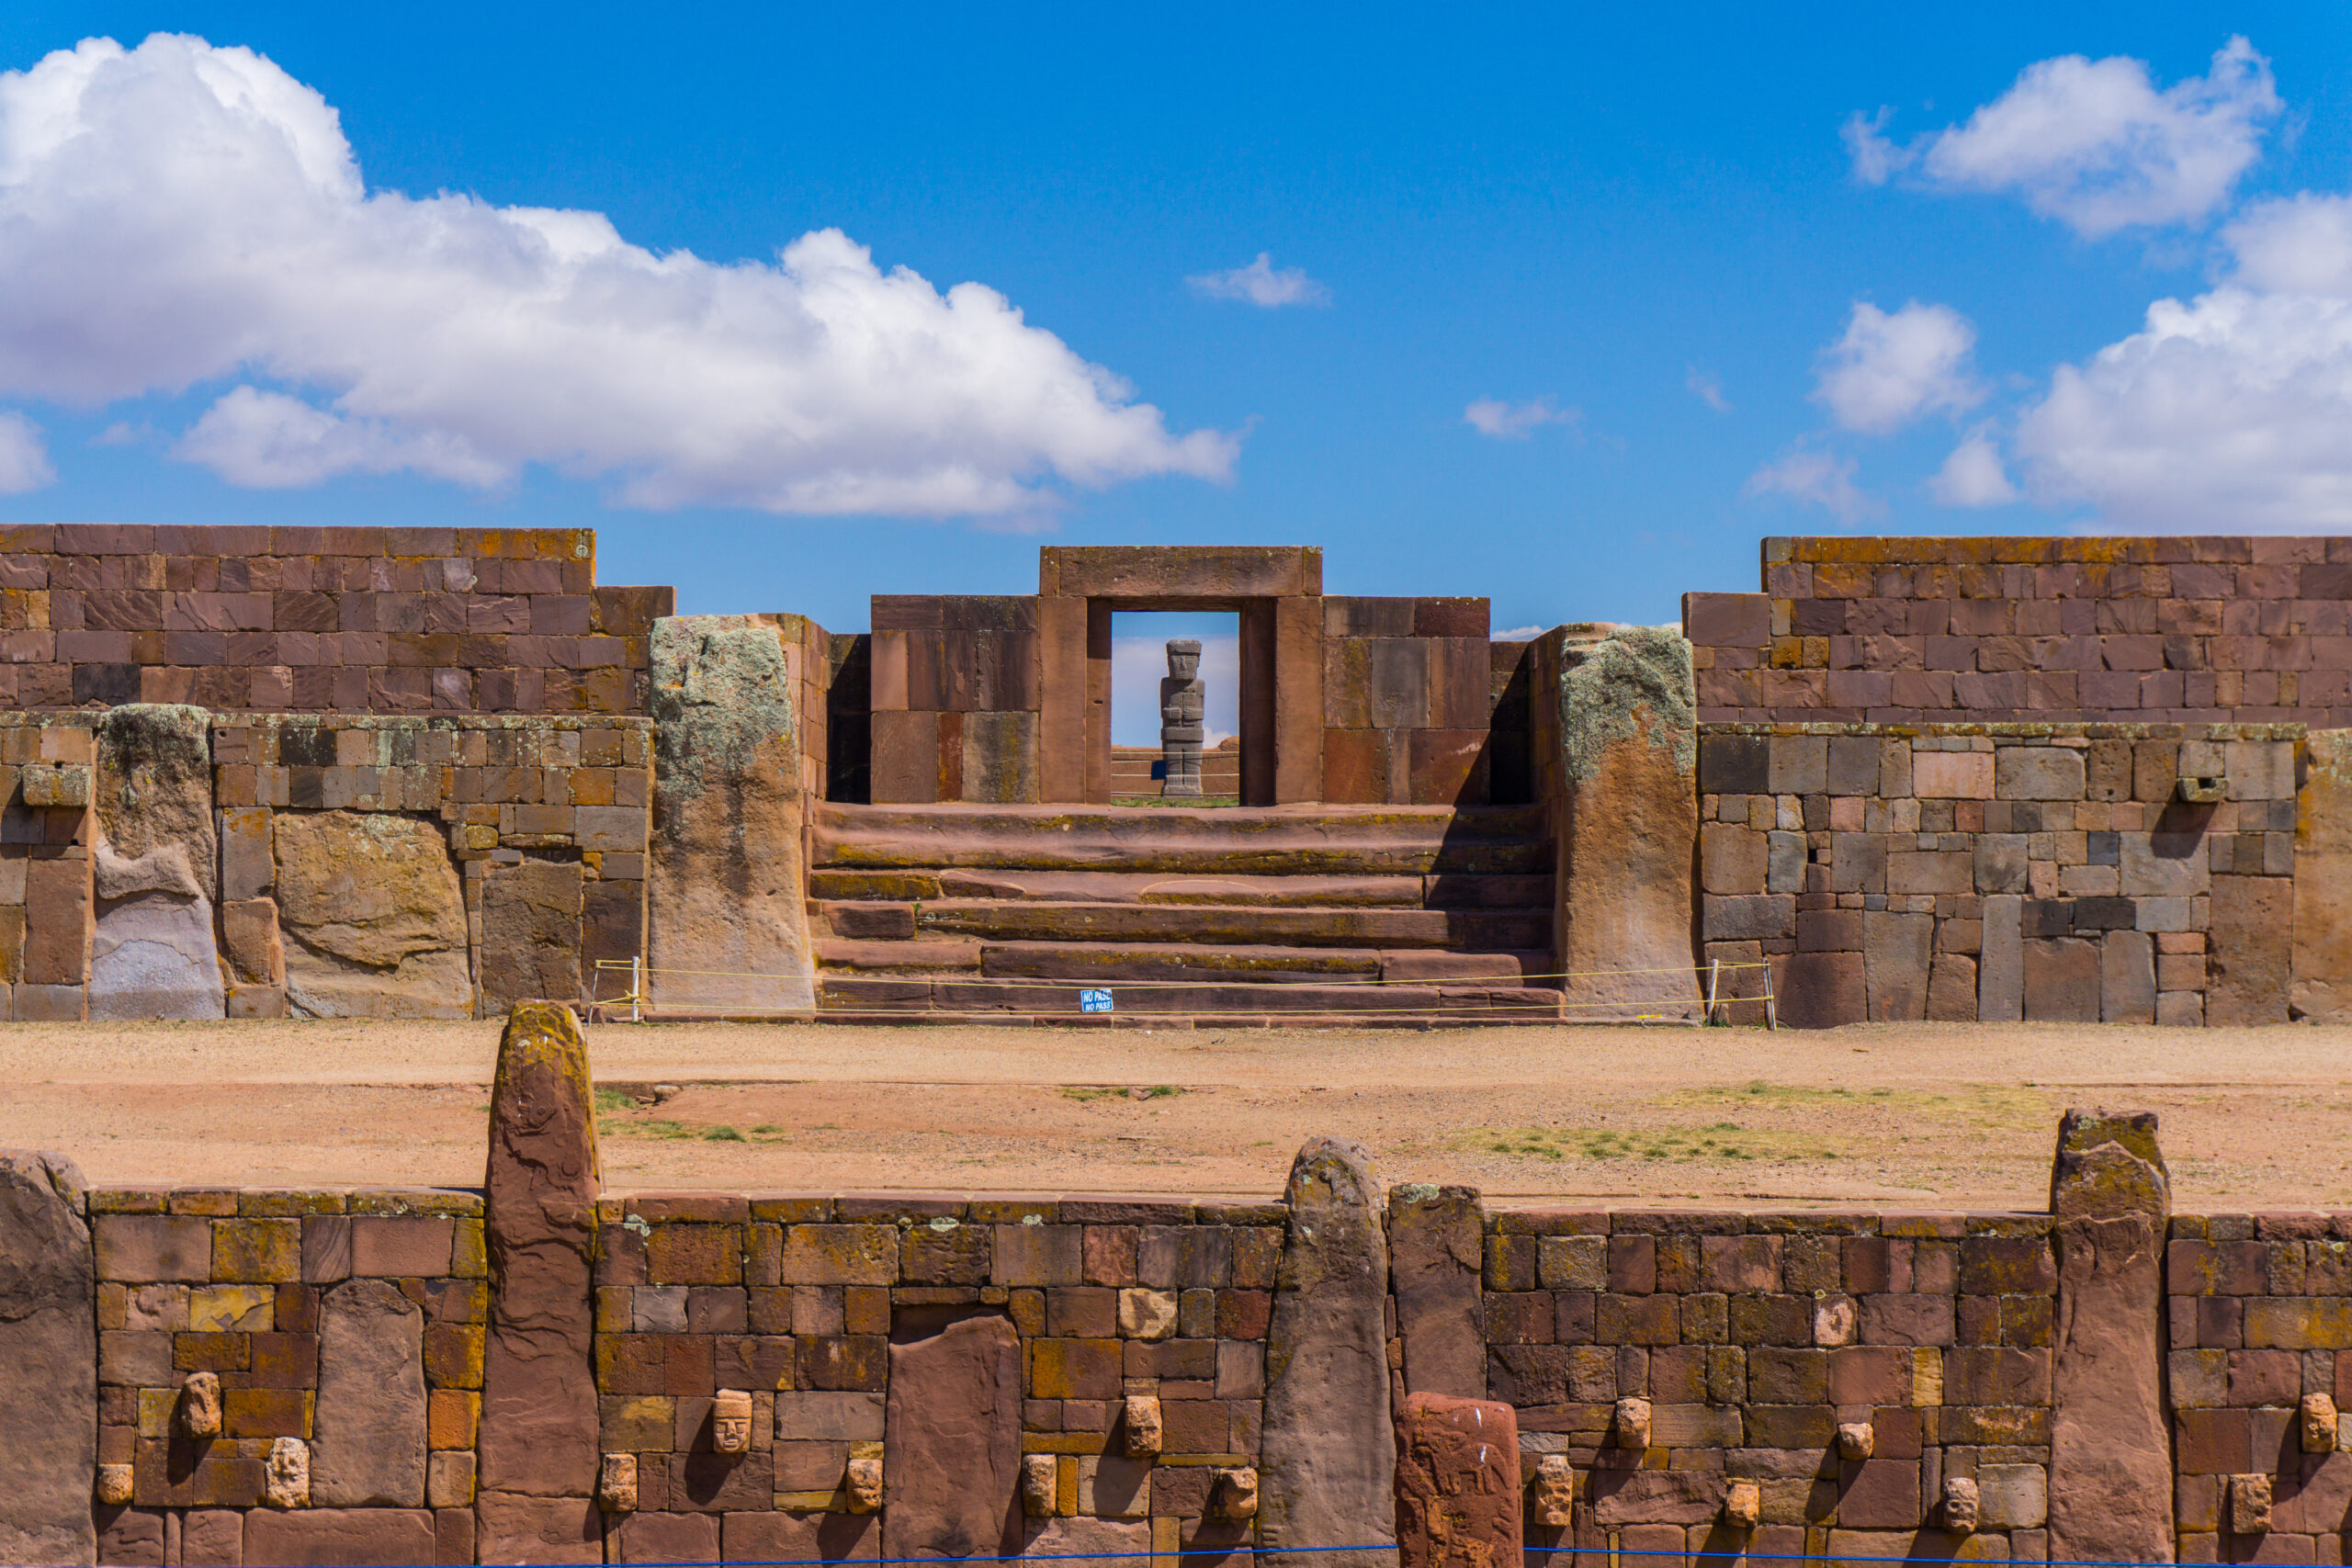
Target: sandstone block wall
x=955 y=692
x=48 y=901
x=1411 y=703
x=384 y=620
x=2051 y=873
x=2261 y=1318
x=2244 y=630
x=256 y=1289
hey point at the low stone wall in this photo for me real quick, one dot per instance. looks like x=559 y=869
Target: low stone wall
x=2050 y=873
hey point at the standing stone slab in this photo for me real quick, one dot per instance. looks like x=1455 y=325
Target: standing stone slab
x=371 y=915
x=1458 y=1499
x=730 y=925
x=952 y=1464
x=2111 y=1451
x=49 y=1360
x=2251 y=952
x=530 y=935
x=2000 y=970
x=1327 y=1470
x=537 y=1446
x=1436 y=1240
x=1894 y=964
x=2322 y=986
x=1627 y=823
x=152 y=952
x=367 y=1442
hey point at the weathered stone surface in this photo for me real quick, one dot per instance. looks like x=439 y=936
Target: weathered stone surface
x=287 y=1476
x=2315 y=1424
x=2000 y=967
x=153 y=955
x=49 y=1394
x=319 y=1537
x=1147 y=1313
x=373 y=918
x=2322 y=984
x=1820 y=990
x=1040 y=1492
x=1629 y=1426
x=1328 y=1455
x=2128 y=977
x=539 y=1435
x=1140 y=1429
x=617 y=1484
x=2110 y=1450
x=2250 y=950
x=1655 y=1496
x=1457 y=1483
x=59 y=917
x=1628 y=764
x=1435 y=1240
x=954 y=1441
x=256 y=953
x=199 y=1406
x=1894 y=964
x=1551 y=1497
x=2250 y=1503
x=1234 y=1494
x=155 y=789
x=1952 y=989
x=725 y=882
x=367 y=1442
x=1743 y=1504
x=530 y=934
x=1857 y=1440
x=1961 y=1505
x=2062 y=980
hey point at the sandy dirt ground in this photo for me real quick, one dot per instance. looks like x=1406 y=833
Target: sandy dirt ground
x=1929 y=1116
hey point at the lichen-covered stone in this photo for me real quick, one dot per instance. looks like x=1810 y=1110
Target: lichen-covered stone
x=1628 y=764
x=1328 y=1456
x=155 y=788
x=48 y=1395
x=372 y=916
x=728 y=919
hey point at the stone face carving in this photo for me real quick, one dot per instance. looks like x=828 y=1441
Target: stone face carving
x=1856 y=1439
x=1183 y=708
x=1832 y=1320
x=537 y=1445
x=1959 y=1505
x=1234 y=1494
x=617 y=1484
x=371 y=915
x=48 y=1395
x=286 y=1475
x=731 y=1421
x=1552 y=1496
x=1328 y=1458
x=2316 y=1421
x=1458 y=1498
x=367 y=1441
x=1139 y=1426
x=862 y=1480
x=1040 y=1480
x=2250 y=1504
x=114 y=1484
x=1743 y=1504
x=1630 y=1428
x=724 y=881
x=200 y=1407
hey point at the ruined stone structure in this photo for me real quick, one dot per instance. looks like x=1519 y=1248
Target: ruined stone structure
x=429 y=773
x=547 y=1371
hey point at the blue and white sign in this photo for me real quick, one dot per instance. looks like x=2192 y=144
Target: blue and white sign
x=1094 y=1002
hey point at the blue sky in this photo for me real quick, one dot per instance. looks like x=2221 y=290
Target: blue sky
x=1643 y=224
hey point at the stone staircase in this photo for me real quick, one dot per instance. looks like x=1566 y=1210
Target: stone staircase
x=1362 y=915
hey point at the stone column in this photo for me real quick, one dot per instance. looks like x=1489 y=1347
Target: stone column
x=2111 y=1451
x=729 y=916
x=49 y=1346
x=538 y=1437
x=1626 y=820
x=1436 y=1250
x=1327 y=1459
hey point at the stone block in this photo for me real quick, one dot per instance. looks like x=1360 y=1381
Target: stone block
x=2127 y=978
x=1734 y=765
x=49 y=1344
x=1785 y=859
x=1821 y=990
x=1952 y=990
x=1895 y=964
x=1727 y=620
x=531 y=934
x=305 y=1536
x=1458 y=1486
x=1732 y=858
x=2062 y=980
x=251 y=944
x=2252 y=947
x=374 y=918
x=2039 y=772
x=59 y=919
x=1434 y=1236
x=954 y=1441
x=2000 y=862
x=1952 y=775
x=1800 y=764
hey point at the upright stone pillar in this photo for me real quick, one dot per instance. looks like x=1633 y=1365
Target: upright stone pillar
x=1459 y=1503
x=1183 y=710
x=1436 y=1251
x=2110 y=1453
x=1626 y=818
x=49 y=1364
x=729 y=916
x=153 y=954
x=538 y=1438
x=1327 y=1459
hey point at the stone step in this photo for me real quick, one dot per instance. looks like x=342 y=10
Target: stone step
x=1456 y=891
x=833 y=953
x=993 y=919
x=952 y=995
x=1098 y=963
x=1247 y=841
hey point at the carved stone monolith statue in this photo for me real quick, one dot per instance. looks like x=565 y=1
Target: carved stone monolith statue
x=1183 y=705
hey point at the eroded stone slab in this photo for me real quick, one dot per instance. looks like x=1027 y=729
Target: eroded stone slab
x=368 y=1444
x=1436 y=1239
x=1458 y=1501
x=953 y=1442
x=372 y=916
x=48 y=1394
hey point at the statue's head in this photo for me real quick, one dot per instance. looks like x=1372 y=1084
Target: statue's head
x=1183 y=657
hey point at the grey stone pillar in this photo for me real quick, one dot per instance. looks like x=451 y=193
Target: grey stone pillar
x=49 y=1349
x=1328 y=1460
x=2110 y=1450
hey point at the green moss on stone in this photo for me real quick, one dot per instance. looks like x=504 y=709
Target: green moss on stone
x=1637 y=681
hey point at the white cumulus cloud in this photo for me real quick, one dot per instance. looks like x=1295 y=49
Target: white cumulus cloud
x=1818 y=478
x=180 y=213
x=1261 y=283
x=2094 y=143
x=23 y=461
x=1974 y=475
x=1516 y=422
x=1892 y=368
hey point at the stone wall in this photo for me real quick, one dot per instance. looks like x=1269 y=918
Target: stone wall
x=1410 y=701
x=955 y=686
x=383 y=620
x=2246 y=630
x=2054 y=873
